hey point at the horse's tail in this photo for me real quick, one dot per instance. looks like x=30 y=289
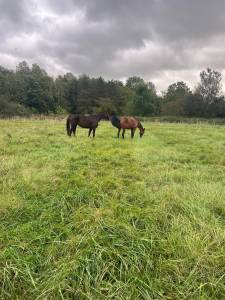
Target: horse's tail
x=68 y=129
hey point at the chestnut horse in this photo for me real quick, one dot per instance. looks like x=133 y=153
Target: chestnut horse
x=90 y=122
x=127 y=123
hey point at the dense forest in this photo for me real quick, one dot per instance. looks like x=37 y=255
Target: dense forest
x=30 y=90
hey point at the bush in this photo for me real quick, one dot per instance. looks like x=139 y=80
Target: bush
x=10 y=109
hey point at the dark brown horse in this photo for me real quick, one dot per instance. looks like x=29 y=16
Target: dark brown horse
x=116 y=123
x=127 y=123
x=90 y=122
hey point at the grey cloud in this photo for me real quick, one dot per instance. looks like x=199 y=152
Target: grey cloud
x=174 y=20
x=156 y=39
x=16 y=17
x=12 y=11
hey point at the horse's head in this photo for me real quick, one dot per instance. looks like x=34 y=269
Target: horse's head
x=104 y=116
x=142 y=131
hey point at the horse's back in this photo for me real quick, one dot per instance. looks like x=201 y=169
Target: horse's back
x=88 y=121
x=128 y=122
x=73 y=117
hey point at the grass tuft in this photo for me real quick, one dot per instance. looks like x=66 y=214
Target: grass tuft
x=108 y=218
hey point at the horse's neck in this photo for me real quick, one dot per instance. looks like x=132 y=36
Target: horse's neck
x=99 y=118
x=115 y=121
x=140 y=127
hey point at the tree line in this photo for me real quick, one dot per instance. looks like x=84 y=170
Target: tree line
x=30 y=90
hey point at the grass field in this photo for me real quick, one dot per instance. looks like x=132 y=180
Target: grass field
x=108 y=218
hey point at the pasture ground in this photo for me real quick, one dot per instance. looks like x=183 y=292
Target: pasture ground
x=109 y=218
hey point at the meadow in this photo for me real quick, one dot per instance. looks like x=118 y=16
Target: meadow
x=103 y=218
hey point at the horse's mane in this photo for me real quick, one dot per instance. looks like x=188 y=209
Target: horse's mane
x=140 y=125
x=115 y=121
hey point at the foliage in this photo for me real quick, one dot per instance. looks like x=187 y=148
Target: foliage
x=206 y=101
x=135 y=81
x=173 y=100
x=177 y=91
x=32 y=89
x=10 y=109
x=146 y=102
x=210 y=85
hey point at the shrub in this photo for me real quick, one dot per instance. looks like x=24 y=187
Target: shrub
x=10 y=109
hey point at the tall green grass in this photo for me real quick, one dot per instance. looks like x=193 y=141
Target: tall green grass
x=108 y=218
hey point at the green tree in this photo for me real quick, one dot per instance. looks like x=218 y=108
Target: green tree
x=23 y=78
x=177 y=91
x=134 y=81
x=145 y=101
x=210 y=85
x=34 y=88
x=7 y=84
x=66 y=89
x=174 y=98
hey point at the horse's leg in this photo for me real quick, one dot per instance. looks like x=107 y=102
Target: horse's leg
x=74 y=129
x=118 y=135
x=132 y=132
x=123 y=133
x=71 y=128
x=93 y=131
x=68 y=126
x=89 y=133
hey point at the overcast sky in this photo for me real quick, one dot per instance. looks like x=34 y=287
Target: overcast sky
x=160 y=40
